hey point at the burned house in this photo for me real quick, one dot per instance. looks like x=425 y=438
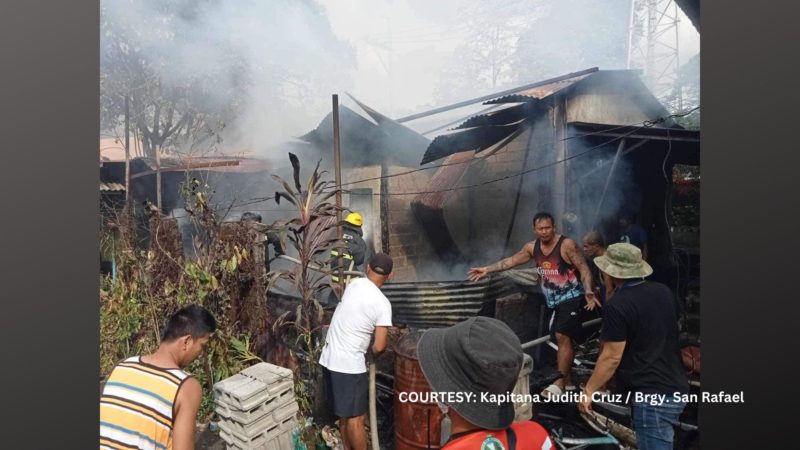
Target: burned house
x=231 y=180
x=587 y=147
x=374 y=149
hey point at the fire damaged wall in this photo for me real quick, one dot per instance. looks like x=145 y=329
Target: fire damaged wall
x=409 y=245
x=479 y=218
x=407 y=242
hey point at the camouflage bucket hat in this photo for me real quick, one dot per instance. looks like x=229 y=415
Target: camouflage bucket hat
x=623 y=261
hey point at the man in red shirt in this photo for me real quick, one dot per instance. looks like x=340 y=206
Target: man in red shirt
x=479 y=359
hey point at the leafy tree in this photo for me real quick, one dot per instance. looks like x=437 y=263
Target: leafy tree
x=688 y=86
x=195 y=68
x=483 y=62
x=571 y=35
x=139 y=41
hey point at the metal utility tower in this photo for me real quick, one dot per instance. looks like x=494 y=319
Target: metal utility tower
x=653 y=48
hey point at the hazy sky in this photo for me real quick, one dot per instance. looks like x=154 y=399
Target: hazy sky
x=402 y=46
x=280 y=60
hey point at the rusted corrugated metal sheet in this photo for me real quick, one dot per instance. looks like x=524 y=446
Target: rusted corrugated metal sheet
x=229 y=164
x=506 y=115
x=442 y=303
x=477 y=138
x=427 y=207
x=111 y=187
x=368 y=143
x=538 y=92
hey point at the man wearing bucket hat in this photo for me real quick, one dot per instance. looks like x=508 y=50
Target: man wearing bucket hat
x=476 y=357
x=640 y=331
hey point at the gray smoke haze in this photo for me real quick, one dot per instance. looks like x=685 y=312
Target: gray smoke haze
x=275 y=63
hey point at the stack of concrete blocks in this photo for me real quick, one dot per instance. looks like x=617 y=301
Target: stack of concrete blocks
x=257 y=408
x=524 y=410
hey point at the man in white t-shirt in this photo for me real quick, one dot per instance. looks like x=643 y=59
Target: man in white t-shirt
x=364 y=310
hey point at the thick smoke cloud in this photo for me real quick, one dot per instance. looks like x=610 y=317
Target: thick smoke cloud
x=275 y=63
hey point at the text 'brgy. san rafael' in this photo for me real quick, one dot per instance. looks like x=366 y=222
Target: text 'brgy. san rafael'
x=572 y=397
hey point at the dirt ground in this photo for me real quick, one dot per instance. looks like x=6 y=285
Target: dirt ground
x=206 y=440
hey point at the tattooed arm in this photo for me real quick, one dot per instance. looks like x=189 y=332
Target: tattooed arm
x=521 y=257
x=573 y=255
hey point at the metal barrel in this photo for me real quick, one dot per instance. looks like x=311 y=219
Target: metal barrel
x=416 y=425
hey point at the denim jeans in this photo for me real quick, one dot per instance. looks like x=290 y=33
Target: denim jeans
x=654 y=424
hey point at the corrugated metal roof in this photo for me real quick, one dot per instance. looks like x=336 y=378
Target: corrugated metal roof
x=228 y=164
x=442 y=303
x=538 y=92
x=113 y=149
x=369 y=141
x=483 y=131
x=506 y=115
x=636 y=132
x=111 y=187
x=476 y=138
x=495 y=95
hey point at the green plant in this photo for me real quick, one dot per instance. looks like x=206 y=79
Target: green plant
x=152 y=283
x=312 y=235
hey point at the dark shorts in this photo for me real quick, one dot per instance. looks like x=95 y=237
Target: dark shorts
x=347 y=392
x=568 y=317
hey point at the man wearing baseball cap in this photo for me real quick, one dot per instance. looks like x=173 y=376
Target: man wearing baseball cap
x=364 y=310
x=479 y=355
x=640 y=334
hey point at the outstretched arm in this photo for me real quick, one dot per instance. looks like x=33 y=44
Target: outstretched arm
x=573 y=255
x=521 y=257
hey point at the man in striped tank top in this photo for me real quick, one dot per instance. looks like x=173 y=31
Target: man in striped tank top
x=566 y=282
x=149 y=402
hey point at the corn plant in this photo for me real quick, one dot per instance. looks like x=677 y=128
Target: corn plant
x=312 y=234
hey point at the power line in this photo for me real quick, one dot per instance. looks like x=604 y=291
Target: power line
x=638 y=126
x=508 y=177
x=642 y=124
x=256 y=200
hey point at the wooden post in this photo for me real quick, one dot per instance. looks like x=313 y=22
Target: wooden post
x=384 y=207
x=337 y=163
x=519 y=186
x=127 y=152
x=157 y=148
x=560 y=185
x=620 y=148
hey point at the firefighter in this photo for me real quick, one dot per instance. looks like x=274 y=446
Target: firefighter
x=353 y=257
x=271 y=238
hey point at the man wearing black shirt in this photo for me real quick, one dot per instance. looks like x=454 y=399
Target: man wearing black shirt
x=640 y=331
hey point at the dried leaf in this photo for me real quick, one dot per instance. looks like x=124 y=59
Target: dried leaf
x=296 y=167
x=278 y=195
x=298 y=314
x=320 y=311
x=326 y=197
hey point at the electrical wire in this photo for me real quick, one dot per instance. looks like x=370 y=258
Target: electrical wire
x=644 y=124
x=484 y=183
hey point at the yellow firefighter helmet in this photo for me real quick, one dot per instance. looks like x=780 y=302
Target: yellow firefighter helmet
x=355 y=219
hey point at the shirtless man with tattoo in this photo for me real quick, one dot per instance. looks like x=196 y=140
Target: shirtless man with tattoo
x=565 y=280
